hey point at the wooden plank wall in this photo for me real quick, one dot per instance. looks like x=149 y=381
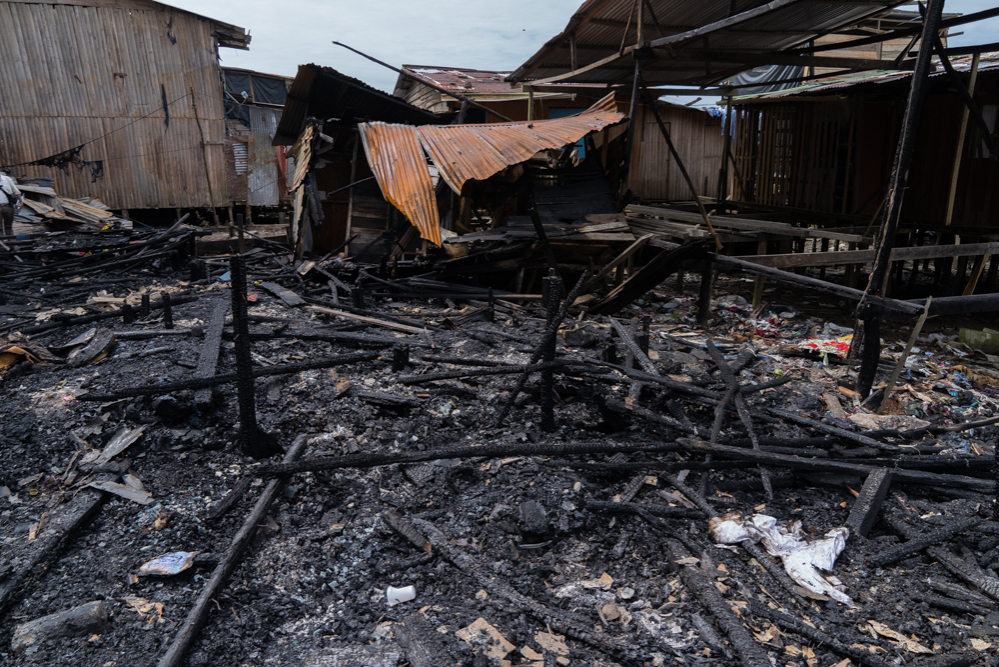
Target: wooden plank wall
x=698 y=139
x=74 y=74
x=792 y=155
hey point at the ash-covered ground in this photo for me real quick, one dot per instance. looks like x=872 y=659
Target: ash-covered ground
x=515 y=540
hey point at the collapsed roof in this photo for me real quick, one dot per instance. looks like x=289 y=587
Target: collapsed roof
x=323 y=92
x=463 y=153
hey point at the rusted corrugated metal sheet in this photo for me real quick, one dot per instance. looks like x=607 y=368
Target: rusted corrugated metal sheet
x=396 y=158
x=476 y=152
x=263 y=188
x=97 y=75
x=463 y=153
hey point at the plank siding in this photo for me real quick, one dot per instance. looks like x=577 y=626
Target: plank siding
x=93 y=74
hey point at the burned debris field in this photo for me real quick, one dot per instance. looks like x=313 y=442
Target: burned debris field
x=555 y=487
x=675 y=344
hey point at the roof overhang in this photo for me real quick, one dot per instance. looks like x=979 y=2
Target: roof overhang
x=228 y=35
x=692 y=43
x=323 y=92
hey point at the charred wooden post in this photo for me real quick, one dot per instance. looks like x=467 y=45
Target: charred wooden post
x=357 y=294
x=144 y=307
x=241 y=247
x=195 y=621
x=554 y=290
x=199 y=269
x=400 y=358
x=253 y=441
x=167 y=312
x=871 y=351
x=127 y=314
x=642 y=336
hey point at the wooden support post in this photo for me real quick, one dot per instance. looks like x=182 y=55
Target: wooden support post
x=959 y=145
x=758 y=285
x=241 y=247
x=871 y=353
x=992 y=281
x=704 y=297
x=726 y=149
x=530 y=102
x=962 y=273
x=632 y=113
x=761 y=249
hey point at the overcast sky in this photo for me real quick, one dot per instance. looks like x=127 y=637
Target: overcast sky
x=492 y=35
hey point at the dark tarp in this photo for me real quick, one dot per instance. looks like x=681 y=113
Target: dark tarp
x=269 y=90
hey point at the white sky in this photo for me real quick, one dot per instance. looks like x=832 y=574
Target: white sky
x=492 y=35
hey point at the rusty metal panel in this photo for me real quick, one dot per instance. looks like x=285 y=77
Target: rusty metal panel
x=463 y=153
x=235 y=168
x=97 y=76
x=262 y=182
x=397 y=160
x=476 y=152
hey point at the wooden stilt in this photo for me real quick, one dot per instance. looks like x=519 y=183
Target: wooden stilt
x=871 y=353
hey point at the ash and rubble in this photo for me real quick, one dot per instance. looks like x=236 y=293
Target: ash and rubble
x=586 y=544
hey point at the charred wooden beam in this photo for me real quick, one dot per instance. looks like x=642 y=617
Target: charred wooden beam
x=196 y=618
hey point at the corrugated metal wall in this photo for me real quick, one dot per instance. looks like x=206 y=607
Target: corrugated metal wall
x=698 y=139
x=72 y=74
x=263 y=186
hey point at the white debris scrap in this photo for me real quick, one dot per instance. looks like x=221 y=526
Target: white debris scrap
x=802 y=560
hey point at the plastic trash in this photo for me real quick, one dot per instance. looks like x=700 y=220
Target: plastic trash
x=168 y=565
x=802 y=560
x=398 y=595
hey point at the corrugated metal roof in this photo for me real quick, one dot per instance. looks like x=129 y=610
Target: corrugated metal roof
x=604 y=32
x=323 y=92
x=989 y=61
x=476 y=152
x=463 y=81
x=463 y=153
x=396 y=158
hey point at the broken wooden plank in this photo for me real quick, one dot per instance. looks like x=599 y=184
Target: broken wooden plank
x=745 y=224
x=209 y=356
x=829 y=465
x=915 y=545
x=900 y=366
x=865 y=510
x=617 y=261
x=175 y=655
x=289 y=298
x=661 y=267
x=45 y=548
x=805 y=259
x=367 y=320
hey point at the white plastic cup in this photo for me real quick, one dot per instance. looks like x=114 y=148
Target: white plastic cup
x=397 y=595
